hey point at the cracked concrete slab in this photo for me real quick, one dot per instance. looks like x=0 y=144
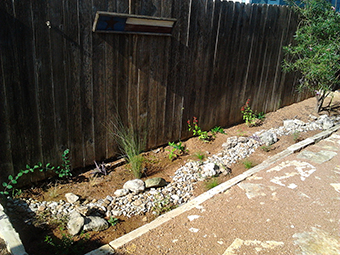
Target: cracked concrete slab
x=257 y=245
x=317 y=157
x=316 y=242
x=254 y=190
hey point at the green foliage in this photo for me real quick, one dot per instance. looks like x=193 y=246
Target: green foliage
x=296 y=136
x=162 y=205
x=200 y=156
x=130 y=144
x=248 y=115
x=197 y=131
x=266 y=148
x=261 y=116
x=113 y=221
x=216 y=130
x=212 y=183
x=176 y=149
x=62 y=171
x=315 y=52
x=67 y=245
x=248 y=164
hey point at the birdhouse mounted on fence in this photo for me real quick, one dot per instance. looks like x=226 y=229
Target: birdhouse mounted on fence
x=111 y=22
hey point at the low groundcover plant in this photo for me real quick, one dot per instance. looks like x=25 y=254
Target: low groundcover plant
x=62 y=171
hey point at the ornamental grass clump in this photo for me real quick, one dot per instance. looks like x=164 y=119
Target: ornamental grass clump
x=130 y=144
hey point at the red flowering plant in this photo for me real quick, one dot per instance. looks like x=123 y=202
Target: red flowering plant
x=248 y=115
x=202 y=135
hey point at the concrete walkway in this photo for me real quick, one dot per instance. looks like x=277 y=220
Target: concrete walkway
x=290 y=204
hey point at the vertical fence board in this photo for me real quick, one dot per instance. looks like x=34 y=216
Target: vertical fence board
x=56 y=18
x=6 y=163
x=99 y=86
x=181 y=69
x=212 y=98
x=44 y=80
x=72 y=70
x=13 y=76
x=86 y=80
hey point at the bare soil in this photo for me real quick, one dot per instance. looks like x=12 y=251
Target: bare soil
x=157 y=164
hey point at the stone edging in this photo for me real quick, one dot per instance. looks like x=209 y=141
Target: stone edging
x=11 y=237
x=119 y=242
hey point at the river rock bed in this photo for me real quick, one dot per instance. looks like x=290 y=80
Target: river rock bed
x=179 y=190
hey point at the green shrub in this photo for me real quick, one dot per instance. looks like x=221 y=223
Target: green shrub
x=315 y=53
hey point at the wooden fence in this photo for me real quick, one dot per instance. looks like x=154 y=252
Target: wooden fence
x=61 y=84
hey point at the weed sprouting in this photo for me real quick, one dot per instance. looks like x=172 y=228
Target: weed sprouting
x=212 y=183
x=266 y=148
x=200 y=156
x=248 y=164
x=296 y=136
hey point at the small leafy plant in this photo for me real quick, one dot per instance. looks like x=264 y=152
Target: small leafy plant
x=100 y=169
x=296 y=136
x=67 y=245
x=197 y=131
x=261 y=116
x=248 y=164
x=248 y=115
x=113 y=221
x=62 y=171
x=200 y=156
x=176 y=147
x=212 y=183
x=162 y=205
x=266 y=148
x=216 y=130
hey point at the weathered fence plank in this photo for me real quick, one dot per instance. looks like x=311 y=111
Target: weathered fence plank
x=62 y=84
x=57 y=51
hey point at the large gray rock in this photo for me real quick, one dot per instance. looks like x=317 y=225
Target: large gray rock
x=135 y=186
x=268 y=138
x=155 y=182
x=95 y=223
x=75 y=223
x=71 y=198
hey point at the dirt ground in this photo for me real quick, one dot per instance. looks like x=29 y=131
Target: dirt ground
x=157 y=164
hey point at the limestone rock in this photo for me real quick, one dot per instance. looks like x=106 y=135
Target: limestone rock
x=327 y=123
x=75 y=223
x=135 y=186
x=71 y=198
x=84 y=210
x=268 y=138
x=289 y=124
x=121 y=192
x=95 y=223
x=155 y=182
x=209 y=170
